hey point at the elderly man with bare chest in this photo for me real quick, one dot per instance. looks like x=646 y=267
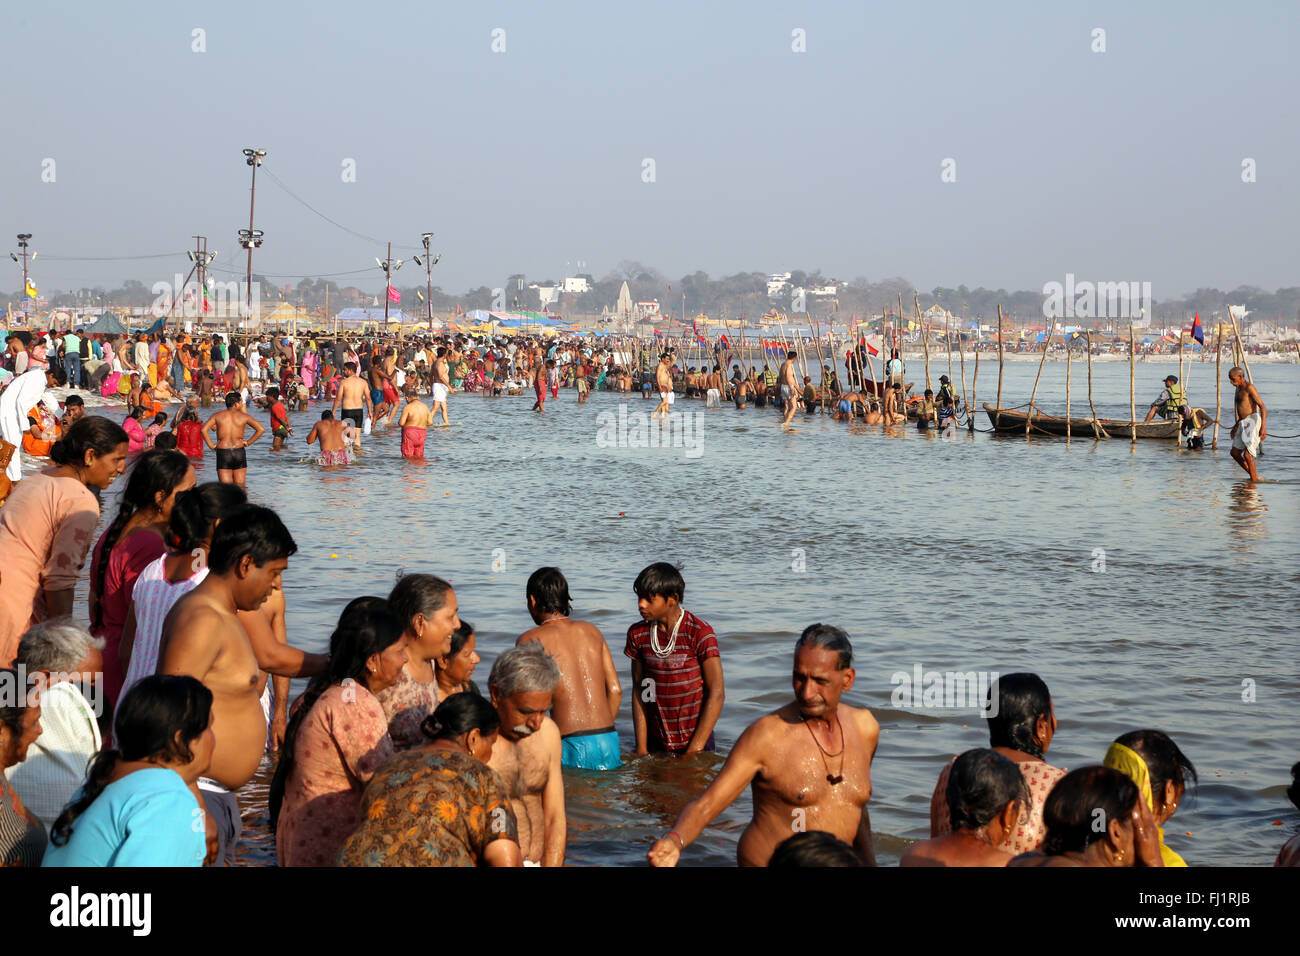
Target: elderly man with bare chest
x=526 y=754
x=808 y=763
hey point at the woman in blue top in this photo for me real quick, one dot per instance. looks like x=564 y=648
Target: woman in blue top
x=137 y=808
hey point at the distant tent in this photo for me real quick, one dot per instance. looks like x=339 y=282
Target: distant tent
x=106 y=324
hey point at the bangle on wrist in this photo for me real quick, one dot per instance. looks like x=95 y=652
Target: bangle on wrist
x=680 y=842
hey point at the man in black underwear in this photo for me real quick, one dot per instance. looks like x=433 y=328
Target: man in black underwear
x=355 y=399
x=229 y=427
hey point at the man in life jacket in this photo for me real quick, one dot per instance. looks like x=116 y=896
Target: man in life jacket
x=946 y=393
x=1171 y=401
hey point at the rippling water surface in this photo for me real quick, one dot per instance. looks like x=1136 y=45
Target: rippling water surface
x=972 y=554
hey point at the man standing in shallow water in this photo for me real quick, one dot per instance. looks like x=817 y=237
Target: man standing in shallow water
x=809 y=763
x=1252 y=422
x=229 y=426
x=586 y=701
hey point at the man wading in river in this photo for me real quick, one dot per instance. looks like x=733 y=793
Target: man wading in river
x=1252 y=422
x=809 y=763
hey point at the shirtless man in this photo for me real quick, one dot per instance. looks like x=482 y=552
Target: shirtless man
x=587 y=698
x=713 y=397
x=229 y=427
x=441 y=386
x=239 y=379
x=333 y=436
x=744 y=389
x=389 y=373
x=789 y=387
x=355 y=399
x=1251 y=427
x=664 y=382
x=526 y=754
x=203 y=638
x=808 y=764
x=539 y=388
x=895 y=410
x=847 y=406
x=415 y=421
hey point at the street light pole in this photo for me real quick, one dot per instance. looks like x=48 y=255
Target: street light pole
x=428 y=263
x=22 y=244
x=254 y=158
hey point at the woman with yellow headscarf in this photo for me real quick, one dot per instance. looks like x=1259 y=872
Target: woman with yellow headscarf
x=1153 y=761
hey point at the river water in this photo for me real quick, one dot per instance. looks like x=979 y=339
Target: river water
x=1148 y=585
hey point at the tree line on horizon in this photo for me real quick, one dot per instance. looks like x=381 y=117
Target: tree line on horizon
x=735 y=296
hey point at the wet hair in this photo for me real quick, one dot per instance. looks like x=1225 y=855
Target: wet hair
x=549 y=589
x=832 y=639
x=198 y=509
x=92 y=433
x=233 y=399
x=1165 y=762
x=460 y=637
x=326 y=415
x=273 y=393
x=57 y=646
x=155 y=473
x=418 y=594
x=349 y=366
x=524 y=669
x=166 y=441
x=980 y=785
x=459 y=714
x=366 y=627
x=791 y=354
x=660 y=580
x=1070 y=811
x=249 y=530
x=1022 y=699
x=814 y=848
x=148 y=718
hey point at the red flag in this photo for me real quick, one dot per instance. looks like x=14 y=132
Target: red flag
x=869 y=347
x=394 y=294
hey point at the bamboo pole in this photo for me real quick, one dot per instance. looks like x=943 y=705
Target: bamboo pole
x=1132 y=388
x=970 y=413
x=1097 y=430
x=925 y=344
x=962 y=356
x=1029 y=418
x=998 y=401
x=1218 y=384
x=1067 y=390
x=821 y=360
x=947 y=341
x=1240 y=345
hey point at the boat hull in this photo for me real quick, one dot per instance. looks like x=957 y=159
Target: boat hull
x=1009 y=421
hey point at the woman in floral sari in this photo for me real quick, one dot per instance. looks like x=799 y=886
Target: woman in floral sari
x=440 y=805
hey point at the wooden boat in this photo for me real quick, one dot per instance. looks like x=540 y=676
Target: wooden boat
x=1007 y=420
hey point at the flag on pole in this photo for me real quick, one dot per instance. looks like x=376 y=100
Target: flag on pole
x=394 y=295
x=1198 y=332
x=726 y=342
x=868 y=346
x=31 y=290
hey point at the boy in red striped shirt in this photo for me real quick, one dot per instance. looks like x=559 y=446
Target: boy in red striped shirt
x=676 y=668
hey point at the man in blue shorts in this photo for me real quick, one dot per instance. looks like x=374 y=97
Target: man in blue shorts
x=588 y=696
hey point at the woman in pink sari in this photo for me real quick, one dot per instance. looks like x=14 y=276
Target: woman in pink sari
x=310 y=365
x=130 y=544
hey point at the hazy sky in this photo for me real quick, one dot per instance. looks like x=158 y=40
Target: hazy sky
x=1116 y=166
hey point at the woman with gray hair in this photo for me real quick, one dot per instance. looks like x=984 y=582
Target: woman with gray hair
x=62 y=659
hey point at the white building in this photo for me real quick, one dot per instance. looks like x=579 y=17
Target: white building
x=546 y=294
x=646 y=310
x=827 y=289
x=576 y=285
x=776 y=282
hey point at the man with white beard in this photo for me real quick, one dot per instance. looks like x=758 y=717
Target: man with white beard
x=526 y=754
